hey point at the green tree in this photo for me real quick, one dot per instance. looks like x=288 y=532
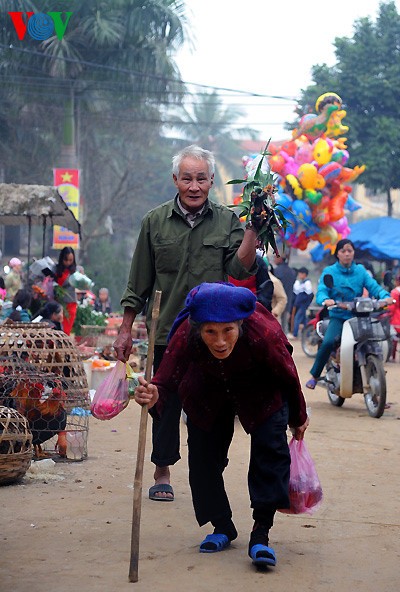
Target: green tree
x=366 y=76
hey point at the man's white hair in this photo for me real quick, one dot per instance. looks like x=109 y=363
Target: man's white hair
x=193 y=151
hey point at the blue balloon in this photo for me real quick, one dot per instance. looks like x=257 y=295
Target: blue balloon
x=292 y=226
x=283 y=199
x=351 y=204
x=302 y=211
x=312 y=229
x=318 y=253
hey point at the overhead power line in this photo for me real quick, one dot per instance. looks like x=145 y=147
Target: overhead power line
x=141 y=74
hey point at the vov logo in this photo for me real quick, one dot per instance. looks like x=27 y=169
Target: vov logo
x=40 y=25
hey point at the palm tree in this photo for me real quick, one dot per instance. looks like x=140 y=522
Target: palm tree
x=122 y=42
x=209 y=124
x=108 y=76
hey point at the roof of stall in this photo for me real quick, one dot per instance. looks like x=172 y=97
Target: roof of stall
x=39 y=203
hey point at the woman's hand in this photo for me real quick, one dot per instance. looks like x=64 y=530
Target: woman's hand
x=329 y=302
x=146 y=393
x=298 y=433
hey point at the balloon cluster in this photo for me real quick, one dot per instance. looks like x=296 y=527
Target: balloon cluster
x=313 y=180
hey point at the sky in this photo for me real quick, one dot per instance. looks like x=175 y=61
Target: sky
x=266 y=48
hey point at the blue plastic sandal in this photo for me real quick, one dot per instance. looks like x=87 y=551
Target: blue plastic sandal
x=312 y=383
x=217 y=542
x=262 y=555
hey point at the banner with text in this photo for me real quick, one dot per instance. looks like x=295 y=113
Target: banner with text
x=67 y=183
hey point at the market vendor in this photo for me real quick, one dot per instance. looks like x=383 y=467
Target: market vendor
x=66 y=266
x=228 y=356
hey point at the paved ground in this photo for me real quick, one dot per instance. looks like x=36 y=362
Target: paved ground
x=74 y=533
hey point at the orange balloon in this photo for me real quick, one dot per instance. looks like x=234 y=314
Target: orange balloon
x=336 y=205
x=289 y=147
x=320 y=216
x=277 y=162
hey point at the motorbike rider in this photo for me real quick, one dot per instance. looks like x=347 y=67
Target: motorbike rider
x=349 y=281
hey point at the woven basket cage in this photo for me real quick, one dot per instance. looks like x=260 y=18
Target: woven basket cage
x=34 y=352
x=48 y=350
x=42 y=397
x=15 y=445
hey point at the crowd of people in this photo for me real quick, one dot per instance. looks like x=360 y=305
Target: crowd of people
x=20 y=301
x=54 y=302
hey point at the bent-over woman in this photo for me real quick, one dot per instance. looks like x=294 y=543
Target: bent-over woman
x=228 y=356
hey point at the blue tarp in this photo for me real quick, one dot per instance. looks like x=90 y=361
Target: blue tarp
x=376 y=237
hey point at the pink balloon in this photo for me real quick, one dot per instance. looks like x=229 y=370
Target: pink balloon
x=303 y=153
x=290 y=167
x=341 y=226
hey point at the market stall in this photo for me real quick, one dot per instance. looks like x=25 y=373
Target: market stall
x=35 y=205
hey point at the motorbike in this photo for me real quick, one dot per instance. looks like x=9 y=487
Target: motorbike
x=357 y=363
x=310 y=340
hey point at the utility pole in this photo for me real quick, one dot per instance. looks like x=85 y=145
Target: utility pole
x=68 y=155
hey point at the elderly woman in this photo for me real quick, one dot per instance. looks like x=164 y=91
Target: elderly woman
x=228 y=356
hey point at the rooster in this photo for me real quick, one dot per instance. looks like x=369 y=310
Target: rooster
x=43 y=407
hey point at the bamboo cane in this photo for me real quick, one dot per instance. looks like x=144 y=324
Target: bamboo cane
x=137 y=488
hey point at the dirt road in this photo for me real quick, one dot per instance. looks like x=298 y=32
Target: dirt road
x=73 y=531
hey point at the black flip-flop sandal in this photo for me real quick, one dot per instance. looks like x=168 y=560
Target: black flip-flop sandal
x=161 y=488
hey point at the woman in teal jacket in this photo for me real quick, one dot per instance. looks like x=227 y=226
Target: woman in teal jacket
x=19 y=312
x=349 y=281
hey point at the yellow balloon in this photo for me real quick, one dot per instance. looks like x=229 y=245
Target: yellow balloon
x=331 y=97
x=322 y=151
x=328 y=234
x=295 y=185
x=309 y=177
x=334 y=125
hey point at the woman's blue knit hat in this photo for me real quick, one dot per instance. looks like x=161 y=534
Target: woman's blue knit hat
x=219 y=302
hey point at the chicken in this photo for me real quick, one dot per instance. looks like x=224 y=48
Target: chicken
x=44 y=409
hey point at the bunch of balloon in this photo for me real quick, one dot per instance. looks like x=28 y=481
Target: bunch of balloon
x=313 y=180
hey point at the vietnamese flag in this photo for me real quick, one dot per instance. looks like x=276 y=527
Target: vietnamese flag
x=67 y=183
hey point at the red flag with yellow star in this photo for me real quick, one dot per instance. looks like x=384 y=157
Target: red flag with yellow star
x=67 y=183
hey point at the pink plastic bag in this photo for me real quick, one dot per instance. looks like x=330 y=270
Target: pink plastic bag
x=112 y=395
x=305 y=491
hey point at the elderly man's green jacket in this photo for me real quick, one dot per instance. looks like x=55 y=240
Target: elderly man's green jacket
x=172 y=256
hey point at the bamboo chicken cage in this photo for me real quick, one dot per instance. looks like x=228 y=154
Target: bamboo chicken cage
x=15 y=445
x=43 y=377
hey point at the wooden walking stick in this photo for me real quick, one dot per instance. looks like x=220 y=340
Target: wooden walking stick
x=137 y=487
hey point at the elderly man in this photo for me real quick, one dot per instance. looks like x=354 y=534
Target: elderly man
x=102 y=303
x=13 y=280
x=182 y=242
